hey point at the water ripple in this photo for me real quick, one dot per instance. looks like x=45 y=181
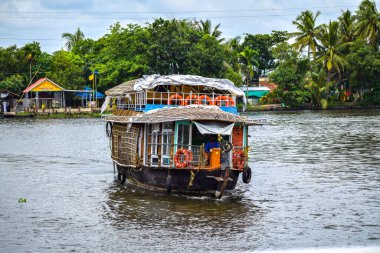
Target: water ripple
x=316 y=184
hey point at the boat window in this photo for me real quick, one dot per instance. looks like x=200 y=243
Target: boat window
x=183 y=136
x=160 y=140
x=154 y=131
x=167 y=129
x=154 y=141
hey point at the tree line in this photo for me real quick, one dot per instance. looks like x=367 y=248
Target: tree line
x=342 y=60
x=316 y=64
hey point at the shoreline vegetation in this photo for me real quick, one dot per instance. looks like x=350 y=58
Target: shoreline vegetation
x=317 y=66
x=250 y=109
x=336 y=107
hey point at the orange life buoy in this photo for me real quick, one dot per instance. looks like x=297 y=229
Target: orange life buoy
x=205 y=98
x=229 y=100
x=238 y=159
x=189 y=98
x=187 y=158
x=175 y=97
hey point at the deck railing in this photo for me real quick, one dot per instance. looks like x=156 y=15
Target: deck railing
x=159 y=152
x=139 y=100
x=163 y=155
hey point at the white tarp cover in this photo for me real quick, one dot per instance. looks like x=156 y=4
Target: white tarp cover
x=4 y=95
x=151 y=81
x=221 y=128
x=105 y=104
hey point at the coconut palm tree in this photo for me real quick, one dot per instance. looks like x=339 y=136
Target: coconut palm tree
x=368 y=26
x=247 y=57
x=234 y=43
x=306 y=36
x=72 y=39
x=316 y=84
x=232 y=48
x=331 y=55
x=205 y=27
x=347 y=26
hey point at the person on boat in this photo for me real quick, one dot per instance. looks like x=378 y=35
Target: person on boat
x=213 y=143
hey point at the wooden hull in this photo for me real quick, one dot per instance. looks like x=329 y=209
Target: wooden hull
x=185 y=181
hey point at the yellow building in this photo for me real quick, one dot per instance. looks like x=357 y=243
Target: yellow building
x=44 y=94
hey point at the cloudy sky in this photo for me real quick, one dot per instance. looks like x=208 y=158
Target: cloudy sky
x=22 y=21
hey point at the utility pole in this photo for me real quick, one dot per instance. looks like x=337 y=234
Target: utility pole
x=96 y=99
x=30 y=58
x=93 y=84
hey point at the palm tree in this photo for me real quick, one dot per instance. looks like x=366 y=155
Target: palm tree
x=347 y=26
x=307 y=32
x=368 y=26
x=316 y=84
x=205 y=27
x=247 y=55
x=232 y=48
x=331 y=55
x=234 y=43
x=72 y=39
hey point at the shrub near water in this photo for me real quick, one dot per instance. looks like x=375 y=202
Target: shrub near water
x=372 y=98
x=324 y=104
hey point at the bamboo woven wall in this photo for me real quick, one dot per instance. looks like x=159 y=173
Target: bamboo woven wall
x=124 y=144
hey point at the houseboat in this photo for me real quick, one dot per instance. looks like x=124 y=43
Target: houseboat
x=179 y=133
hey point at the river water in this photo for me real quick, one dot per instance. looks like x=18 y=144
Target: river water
x=316 y=184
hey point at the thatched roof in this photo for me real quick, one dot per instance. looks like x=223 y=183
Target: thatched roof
x=193 y=113
x=121 y=89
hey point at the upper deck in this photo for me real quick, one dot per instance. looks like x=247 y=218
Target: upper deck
x=156 y=91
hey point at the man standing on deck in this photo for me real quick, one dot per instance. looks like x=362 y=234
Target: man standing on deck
x=210 y=145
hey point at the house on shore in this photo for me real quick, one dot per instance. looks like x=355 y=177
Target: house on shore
x=46 y=94
x=254 y=93
x=8 y=101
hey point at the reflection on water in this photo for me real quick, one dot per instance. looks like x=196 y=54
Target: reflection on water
x=131 y=205
x=316 y=183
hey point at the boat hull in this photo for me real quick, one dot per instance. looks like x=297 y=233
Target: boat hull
x=185 y=181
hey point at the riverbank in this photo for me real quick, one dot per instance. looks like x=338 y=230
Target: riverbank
x=337 y=106
x=67 y=112
x=68 y=115
x=52 y=115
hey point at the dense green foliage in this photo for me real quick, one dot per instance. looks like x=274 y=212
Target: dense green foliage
x=334 y=61
x=12 y=83
x=342 y=60
x=290 y=75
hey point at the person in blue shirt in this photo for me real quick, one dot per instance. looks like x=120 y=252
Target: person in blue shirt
x=213 y=143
